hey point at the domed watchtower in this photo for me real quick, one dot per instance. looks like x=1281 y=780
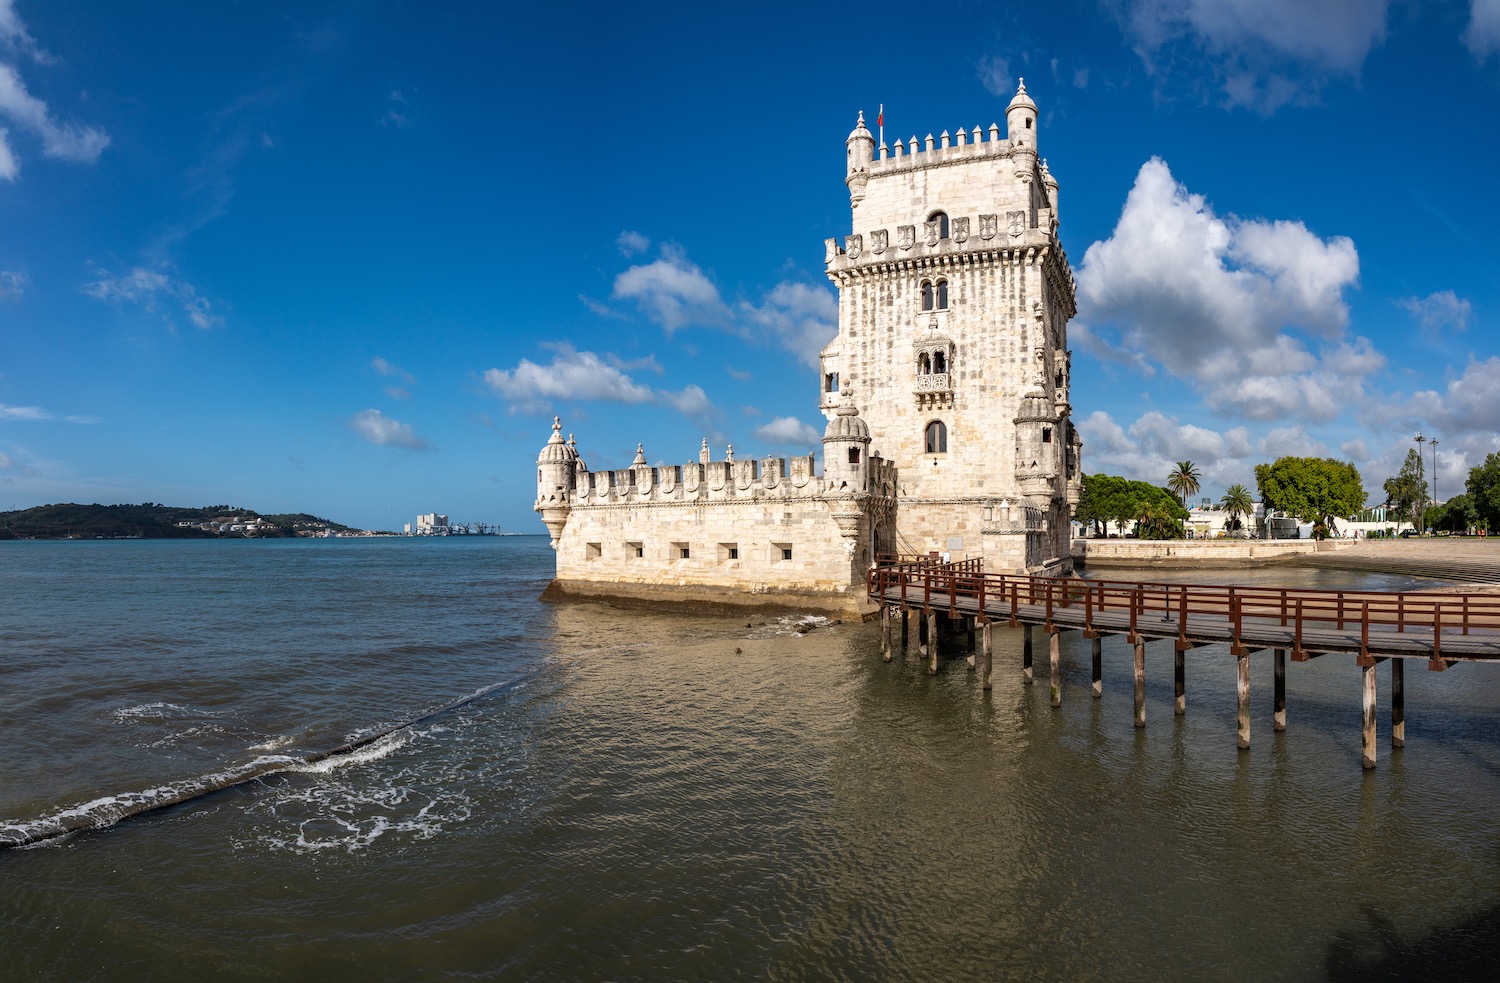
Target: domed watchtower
x=859 y=151
x=846 y=448
x=555 y=481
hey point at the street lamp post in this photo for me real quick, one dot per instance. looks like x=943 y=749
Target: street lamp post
x=1422 y=506
x=1434 y=471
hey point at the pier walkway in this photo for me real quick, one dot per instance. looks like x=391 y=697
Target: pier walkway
x=1440 y=629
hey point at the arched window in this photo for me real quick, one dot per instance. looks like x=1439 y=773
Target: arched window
x=937 y=438
x=926 y=295
x=942 y=295
x=939 y=363
x=941 y=218
x=924 y=364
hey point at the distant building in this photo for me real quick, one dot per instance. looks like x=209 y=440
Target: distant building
x=946 y=393
x=432 y=524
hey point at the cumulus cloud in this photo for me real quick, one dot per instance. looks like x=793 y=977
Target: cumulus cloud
x=801 y=318
x=378 y=428
x=1469 y=402
x=1263 y=53
x=1148 y=449
x=789 y=430
x=675 y=293
x=145 y=287
x=1214 y=300
x=574 y=376
x=1482 y=36
x=1444 y=309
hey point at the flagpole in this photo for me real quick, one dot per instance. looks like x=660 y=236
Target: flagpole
x=880 y=124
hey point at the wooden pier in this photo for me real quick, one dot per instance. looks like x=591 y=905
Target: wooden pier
x=1372 y=627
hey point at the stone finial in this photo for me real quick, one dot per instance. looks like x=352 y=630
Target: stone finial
x=640 y=454
x=729 y=454
x=703 y=454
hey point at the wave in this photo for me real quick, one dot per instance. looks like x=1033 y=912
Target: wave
x=109 y=810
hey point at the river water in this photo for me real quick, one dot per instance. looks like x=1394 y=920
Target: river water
x=651 y=796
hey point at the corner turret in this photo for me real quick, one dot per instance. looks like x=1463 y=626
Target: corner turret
x=846 y=448
x=1036 y=446
x=555 y=481
x=1020 y=120
x=859 y=151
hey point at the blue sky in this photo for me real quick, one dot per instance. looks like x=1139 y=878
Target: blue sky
x=350 y=258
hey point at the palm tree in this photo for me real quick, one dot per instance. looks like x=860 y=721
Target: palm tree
x=1237 y=502
x=1183 y=481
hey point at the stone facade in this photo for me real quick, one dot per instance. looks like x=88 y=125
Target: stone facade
x=946 y=392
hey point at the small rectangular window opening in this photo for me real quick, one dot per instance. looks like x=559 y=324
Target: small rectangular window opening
x=595 y=550
x=1046 y=435
x=854 y=455
x=831 y=382
x=785 y=548
x=636 y=550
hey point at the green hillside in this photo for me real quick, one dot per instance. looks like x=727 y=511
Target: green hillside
x=156 y=521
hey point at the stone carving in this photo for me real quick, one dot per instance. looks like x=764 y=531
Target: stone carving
x=987 y=225
x=830 y=250
x=879 y=240
x=934 y=232
x=801 y=471
x=669 y=480
x=854 y=245
x=906 y=236
x=1017 y=222
x=961 y=229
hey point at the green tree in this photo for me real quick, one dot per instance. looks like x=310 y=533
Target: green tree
x=1237 y=502
x=1454 y=515
x=1107 y=499
x=1406 y=493
x=1314 y=489
x=1484 y=492
x=1155 y=520
x=1184 y=480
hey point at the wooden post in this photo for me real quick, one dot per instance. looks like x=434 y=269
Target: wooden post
x=932 y=643
x=1398 y=703
x=1026 y=654
x=905 y=617
x=885 y=632
x=1054 y=647
x=969 y=623
x=1098 y=668
x=1179 y=682
x=1278 y=719
x=1242 y=690
x=1367 y=758
x=989 y=654
x=921 y=633
x=1140 y=683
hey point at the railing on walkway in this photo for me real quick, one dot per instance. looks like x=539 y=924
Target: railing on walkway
x=935 y=585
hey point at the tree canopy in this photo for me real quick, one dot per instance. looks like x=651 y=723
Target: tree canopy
x=1183 y=481
x=1237 y=502
x=1314 y=489
x=1108 y=499
x=1407 y=491
x=1484 y=492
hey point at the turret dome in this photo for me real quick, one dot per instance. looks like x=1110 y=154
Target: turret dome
x=846 y=423
x=1021 y=98
x=860 y=131
x=557 y=451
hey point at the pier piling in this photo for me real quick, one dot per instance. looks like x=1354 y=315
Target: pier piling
x=1242 y=692
x=1054 y=646
x=1179 y=683
x=1026 y=654
x=932 y=643
x=1278 y=719
x=885 y=633
x=1368 y=676
x=1398 y=703
x=989 y=654
x=1140 y=683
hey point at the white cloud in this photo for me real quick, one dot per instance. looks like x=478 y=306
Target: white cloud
x=61 y=141
x=1264 y=53
x=1470 y=402
x=676 y=293
x=12 y=283
x=994 y=74
x=143 y=286
x=380 y=429
x=1482 y=36
x=1150 y=447
x=1444 y=309
x=35 y=413
x=575 y=376
x=789 y=430
x=1213 y=299
x=390 y=370
x=673 y=292
x=800 y=317
x=4 y=461
x=632 y=243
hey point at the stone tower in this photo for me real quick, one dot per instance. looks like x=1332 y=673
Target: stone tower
x=954 y=299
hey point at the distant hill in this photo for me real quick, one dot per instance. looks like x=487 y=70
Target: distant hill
x=156 y=521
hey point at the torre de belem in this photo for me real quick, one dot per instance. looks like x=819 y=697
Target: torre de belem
x=946 y=393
